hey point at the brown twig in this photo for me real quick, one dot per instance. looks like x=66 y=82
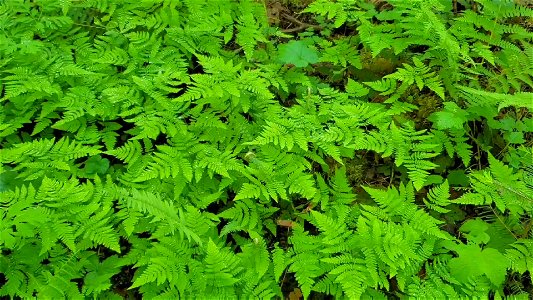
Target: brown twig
x=302 y=25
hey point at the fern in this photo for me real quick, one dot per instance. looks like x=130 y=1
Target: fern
x=414 y=154
x=178 y=149
x=419 y=74
x=244 y=216
x=499 y=185
x=438 y=198
x=401 y=203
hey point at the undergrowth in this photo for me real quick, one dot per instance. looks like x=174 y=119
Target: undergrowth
x=167 y=149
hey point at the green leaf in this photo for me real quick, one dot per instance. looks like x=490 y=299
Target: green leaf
x=8 y=179
x=476 y=231
x=515 y=137
x=356 y=89
x=458 y=177
x=297 y=53
x=500 y=237
x=451 y=117
x=473 y=262
x=65 y=6
x=96 y=165
x=507 y=124
x=434 y=179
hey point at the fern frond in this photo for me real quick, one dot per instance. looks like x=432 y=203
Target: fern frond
x=438 y=198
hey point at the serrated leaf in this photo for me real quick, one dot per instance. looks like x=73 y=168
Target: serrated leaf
x=515 y=137
x=451 y=117
x=297 y=53
x=248 y=191
x=474 y=261
x=65 y=6
x=96 y=165
x=475 y=231
x=356 y=89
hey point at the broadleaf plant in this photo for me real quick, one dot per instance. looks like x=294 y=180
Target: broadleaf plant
x=266 y=149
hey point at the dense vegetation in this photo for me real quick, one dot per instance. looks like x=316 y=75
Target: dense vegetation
x=256 y=149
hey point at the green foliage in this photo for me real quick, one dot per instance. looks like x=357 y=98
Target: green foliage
x=297 y=53
x=190 y=149
x=473 y=262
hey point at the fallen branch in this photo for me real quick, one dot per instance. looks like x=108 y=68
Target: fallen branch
x=302 y=25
